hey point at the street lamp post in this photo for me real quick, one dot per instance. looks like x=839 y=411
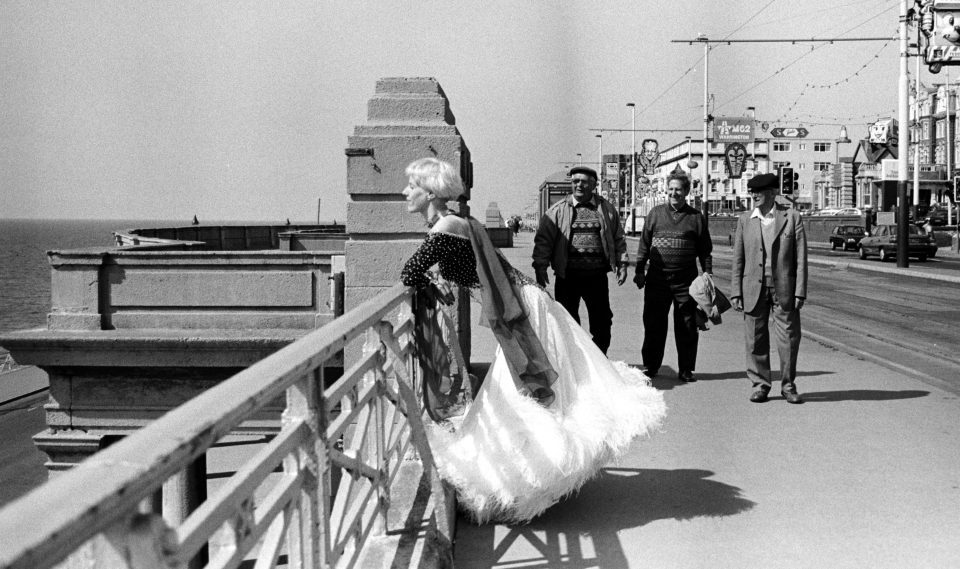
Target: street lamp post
x=600 y=161
x=633 y=166
x=842 y=139
x=705 y=173
x=916 y=149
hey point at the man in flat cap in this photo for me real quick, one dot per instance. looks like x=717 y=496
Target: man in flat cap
x=770 y=275
x=675 y=236
x=582 y=239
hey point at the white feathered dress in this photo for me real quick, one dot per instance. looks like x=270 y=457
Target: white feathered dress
x=511 y=458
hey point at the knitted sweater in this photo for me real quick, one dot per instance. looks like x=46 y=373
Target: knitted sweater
x=673 y=240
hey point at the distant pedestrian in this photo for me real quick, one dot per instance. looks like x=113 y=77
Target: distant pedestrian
x=770 y=275
x=869 y=220
x=675 y=235
x=517 y=224
x=582 y=239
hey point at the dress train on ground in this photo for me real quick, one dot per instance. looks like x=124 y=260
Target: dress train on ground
x=511 y=458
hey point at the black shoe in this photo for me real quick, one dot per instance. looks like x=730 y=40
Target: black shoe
x=760 y=395
x=791 y=395
x=686 y=377
x=651 y=372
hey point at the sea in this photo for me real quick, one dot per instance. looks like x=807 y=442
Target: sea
x=25 y=270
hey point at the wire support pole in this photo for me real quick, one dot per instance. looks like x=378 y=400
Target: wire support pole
x=643 y=130
x=903 y=139
x=785 y=40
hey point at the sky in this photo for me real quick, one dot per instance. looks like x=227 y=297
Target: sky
x=240 y=111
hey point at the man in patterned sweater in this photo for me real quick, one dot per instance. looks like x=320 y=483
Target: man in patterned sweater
x=674 y=236
x=582 y=239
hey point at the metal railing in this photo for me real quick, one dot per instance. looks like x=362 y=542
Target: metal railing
x=7 y=364
x=279 y=503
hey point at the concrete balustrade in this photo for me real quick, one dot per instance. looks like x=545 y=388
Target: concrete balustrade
x=135 y=332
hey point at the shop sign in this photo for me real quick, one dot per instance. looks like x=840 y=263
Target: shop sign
x=789 y=132
x=649 y=157
x=733 y=129
x=735 y=156
x=612 y=169
x=890 y=170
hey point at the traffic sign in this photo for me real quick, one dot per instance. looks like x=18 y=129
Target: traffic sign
x=780 y=132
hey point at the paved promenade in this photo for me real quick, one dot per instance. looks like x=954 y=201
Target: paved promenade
x=865 y=474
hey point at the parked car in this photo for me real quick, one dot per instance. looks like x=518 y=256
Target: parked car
x=846 y=236
x=849 y=211
x=938 y=216
x=882 y=241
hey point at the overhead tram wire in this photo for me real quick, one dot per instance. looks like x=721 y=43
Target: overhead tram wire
x=823 y=41
x=820 y=12
x=728 y=41
x=828 y=86
x=697 y=62
x=750 y=19
x=874 y=17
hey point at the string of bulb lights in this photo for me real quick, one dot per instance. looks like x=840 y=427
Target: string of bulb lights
x=829 y=86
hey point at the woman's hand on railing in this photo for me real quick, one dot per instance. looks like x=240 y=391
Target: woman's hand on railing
x=442 y=289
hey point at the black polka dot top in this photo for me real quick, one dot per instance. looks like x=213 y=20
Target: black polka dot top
x=453 y=253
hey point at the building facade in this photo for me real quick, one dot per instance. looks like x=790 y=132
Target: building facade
x=933 y=142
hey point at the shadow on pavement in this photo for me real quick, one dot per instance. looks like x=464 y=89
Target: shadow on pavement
x=862 y=395
x=618 y=499
x=743 y=375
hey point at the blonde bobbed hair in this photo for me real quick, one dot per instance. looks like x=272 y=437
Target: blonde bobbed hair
x=437 y=177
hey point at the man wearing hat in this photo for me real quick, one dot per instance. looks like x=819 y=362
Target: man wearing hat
x=770 y=275
x=582 y=239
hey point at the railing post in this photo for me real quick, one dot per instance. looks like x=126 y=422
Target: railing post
x=144 y=541
x=181 y=494
x=418 y=433
x=308 y=540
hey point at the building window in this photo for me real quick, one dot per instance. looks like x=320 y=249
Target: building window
x=939 y=129
x=714 y=165
x=778 y=165
x=821 y=166
x=803 y=146
x=801 y=166
x=781 y=146
x=821 y=146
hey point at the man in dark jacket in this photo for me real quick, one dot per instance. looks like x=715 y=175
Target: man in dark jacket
x=582 y=239
x=674 y=237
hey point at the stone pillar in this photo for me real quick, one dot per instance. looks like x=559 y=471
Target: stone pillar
x=407 y=119
x=499 y=233
x=494 y=218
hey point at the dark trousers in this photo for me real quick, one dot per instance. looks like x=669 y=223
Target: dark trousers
x=757 y=340
x=661 y=291
x=595 y=292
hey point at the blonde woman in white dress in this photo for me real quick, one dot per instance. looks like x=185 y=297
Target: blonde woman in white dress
x=552 y=410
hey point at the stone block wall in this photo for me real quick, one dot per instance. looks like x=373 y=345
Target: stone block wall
x=407 y=119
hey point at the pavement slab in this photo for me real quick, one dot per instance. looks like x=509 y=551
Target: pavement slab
x=866 y=473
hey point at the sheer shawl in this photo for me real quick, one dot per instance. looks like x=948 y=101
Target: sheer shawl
x=503 y=311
